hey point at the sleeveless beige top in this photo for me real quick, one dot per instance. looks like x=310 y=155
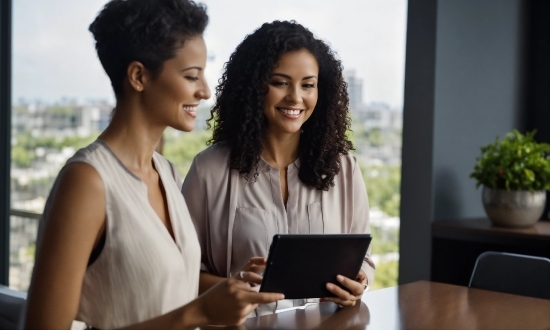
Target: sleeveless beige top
x=141 y=272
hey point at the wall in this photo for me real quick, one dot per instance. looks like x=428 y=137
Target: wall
x=462 y=89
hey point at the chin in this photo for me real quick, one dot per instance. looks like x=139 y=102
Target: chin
x=184 y=127
x=292 y=130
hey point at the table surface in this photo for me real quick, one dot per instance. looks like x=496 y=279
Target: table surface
x=418 y=305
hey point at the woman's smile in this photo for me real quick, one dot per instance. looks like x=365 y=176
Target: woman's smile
x=291 y=113
x=292 y=92
x=191 y=110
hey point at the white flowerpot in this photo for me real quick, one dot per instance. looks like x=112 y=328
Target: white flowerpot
x=513 y=208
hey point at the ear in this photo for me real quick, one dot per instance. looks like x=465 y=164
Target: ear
x=137 y=75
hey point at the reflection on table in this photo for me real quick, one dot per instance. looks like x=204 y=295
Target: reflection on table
x=418 y=305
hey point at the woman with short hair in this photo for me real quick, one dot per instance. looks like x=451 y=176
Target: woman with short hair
x=116 y=245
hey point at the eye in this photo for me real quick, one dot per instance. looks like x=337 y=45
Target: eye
x=308 y=86
x=191 y=78
x=279 y=83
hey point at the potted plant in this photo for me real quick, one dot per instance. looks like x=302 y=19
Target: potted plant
x=515 y=174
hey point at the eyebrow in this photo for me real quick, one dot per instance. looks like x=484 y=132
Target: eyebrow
x=191 y=68
x=289 y=77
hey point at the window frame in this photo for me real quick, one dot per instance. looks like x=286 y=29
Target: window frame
x=5 y=136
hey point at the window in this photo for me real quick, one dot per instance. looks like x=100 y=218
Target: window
x=62 y=99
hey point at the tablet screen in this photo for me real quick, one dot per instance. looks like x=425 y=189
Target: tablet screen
x=299 y=266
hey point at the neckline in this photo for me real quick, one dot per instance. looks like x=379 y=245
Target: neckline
x=108 y=148
x=160 y=173
x=264 y=164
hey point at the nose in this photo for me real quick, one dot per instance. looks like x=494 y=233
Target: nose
x=294 y=95
x=204 y=92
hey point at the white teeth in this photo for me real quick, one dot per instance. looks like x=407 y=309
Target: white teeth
x=290 y=112
x=193 y=109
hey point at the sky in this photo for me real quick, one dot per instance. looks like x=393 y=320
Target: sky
x=54 y=55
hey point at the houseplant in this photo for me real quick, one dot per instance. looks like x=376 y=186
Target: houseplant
x=515 y=174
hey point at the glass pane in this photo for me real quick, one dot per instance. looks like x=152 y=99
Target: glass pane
x=62 y=99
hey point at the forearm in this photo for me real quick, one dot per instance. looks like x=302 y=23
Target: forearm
x=207 y=280
x=186 y=317
x=369 y=270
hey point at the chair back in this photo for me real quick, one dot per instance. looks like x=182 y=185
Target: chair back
x=12 y=303
x=512 y=273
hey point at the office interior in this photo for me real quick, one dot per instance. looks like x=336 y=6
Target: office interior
x=474 y=70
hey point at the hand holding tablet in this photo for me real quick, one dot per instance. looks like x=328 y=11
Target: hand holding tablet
x=300 y=266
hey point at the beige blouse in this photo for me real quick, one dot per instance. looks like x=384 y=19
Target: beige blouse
x=236 y=220
x=141 y=272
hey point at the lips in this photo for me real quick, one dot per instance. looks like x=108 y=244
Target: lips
x=191 y=110
x=290 y=113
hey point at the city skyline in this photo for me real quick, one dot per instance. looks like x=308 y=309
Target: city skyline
x=55 y=59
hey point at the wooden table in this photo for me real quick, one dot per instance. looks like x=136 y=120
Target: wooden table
x=418 y=305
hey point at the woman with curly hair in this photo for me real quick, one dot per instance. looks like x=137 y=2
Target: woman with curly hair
x=116 y=245
x=278 y=160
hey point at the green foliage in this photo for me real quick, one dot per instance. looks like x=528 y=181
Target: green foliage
x=374 y=137
x=385 y=241
x=517 y=162
x=386 y=275
x=21 y=156
x=30 y=143
x=23 y=153
x=181 y=148
x=62 y=110
x=30 y=250
x=383 y=186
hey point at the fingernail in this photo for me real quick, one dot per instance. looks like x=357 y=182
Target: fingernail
x=281 y=296
x=329 y=285
x=340 y=277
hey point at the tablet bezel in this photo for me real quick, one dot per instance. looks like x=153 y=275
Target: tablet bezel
x=311 y=267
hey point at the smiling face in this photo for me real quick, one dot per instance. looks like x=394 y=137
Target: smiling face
x=292 y=92
x=175 y=93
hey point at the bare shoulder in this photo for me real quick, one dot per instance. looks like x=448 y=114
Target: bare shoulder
x=81 y=174
x=75 y=218
x=78 y=200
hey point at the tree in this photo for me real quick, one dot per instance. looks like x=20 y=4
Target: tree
x=181 y=148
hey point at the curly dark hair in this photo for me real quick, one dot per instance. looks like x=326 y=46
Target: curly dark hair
x=238 y=114
x=143 y=30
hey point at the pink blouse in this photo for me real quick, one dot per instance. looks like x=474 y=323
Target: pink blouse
x=236 y=220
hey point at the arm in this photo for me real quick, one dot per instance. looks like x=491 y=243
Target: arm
x=227 y=303
x=207 y=280
x=194 y=193
x=254 y=266
x=359 y=225
x=75 y=221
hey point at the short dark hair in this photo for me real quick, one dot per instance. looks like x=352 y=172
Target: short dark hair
x=148 y=31
x=238 y=114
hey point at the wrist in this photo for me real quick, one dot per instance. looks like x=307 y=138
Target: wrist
x=192 y=315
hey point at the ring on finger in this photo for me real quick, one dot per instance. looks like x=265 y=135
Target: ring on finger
x=241 y=275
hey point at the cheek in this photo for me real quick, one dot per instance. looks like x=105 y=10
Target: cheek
x=312 y=100
x=270 y=100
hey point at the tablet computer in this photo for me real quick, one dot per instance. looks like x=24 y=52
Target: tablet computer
x=299 y=266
